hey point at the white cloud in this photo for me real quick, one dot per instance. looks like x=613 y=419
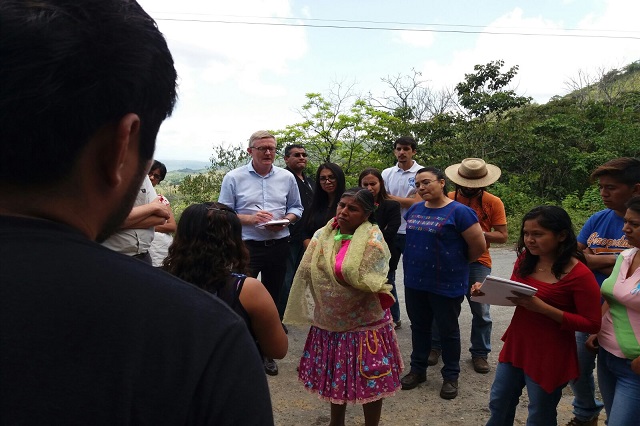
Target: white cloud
x=545 y=63
x=415 y=38
x=228 y=72
x=237 y=78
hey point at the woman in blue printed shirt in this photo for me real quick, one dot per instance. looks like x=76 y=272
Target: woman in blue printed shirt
x=443 y=237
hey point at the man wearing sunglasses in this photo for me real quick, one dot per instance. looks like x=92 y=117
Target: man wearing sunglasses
x=262 y=193
x=295 y=157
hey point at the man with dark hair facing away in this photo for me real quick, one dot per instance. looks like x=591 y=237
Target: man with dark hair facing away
x=90 y=336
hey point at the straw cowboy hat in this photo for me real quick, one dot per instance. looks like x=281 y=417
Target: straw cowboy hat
x=473 y=173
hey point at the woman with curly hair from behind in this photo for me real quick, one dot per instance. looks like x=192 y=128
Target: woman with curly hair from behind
x=208 y=252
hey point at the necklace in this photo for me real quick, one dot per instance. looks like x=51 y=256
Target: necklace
x=547 y=269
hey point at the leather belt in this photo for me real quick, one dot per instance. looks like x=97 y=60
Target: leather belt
x=267 y=243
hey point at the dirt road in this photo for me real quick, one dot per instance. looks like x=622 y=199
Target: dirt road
x=292 y=405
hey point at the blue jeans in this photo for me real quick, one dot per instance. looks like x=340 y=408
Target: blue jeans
x=423 y=307
x=620 y=388
x=296 y=250
x=585 y=404
x=505 y=395
x=481 y=323
x=391 y=276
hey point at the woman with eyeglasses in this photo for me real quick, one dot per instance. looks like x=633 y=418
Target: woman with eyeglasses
x=443 y=237
x=351 y=354
x=162 y=236
x=208 y=252
x=329 y=185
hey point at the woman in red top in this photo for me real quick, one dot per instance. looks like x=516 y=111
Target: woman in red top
x=539 y=349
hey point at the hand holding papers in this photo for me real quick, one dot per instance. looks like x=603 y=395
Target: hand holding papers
x=496 y=291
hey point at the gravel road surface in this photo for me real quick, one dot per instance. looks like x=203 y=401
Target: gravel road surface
x=292 y=405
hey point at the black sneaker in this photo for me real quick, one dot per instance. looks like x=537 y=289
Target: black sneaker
x=449 y=389
x=270 y=367
x=412 y=380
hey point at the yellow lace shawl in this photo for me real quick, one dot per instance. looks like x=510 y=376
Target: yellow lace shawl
x=318 y=298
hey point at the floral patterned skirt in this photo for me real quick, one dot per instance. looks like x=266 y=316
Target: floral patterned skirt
x=358 y=366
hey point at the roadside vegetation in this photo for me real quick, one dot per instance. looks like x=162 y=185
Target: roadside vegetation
x=546 y=151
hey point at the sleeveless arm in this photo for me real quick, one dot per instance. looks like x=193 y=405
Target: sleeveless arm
x=265 y=320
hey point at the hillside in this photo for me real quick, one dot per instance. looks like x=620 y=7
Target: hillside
x=175 y=177
x=180 y=165
x=605 y=86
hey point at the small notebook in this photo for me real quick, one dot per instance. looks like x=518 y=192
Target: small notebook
x=496 y=290
x=273 y=222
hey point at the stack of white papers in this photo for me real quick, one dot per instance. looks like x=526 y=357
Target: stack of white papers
x=273 y=222
x=496 y=290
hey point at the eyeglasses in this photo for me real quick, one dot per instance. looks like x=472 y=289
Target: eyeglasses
x=264 y=149
x=156 y=177
x=299 y=154
x=327 y=178
x=425 y=182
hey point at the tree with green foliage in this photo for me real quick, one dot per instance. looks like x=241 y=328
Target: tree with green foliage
x=484 y=94
x=546 y=152
x=229 y=158
x=341 y=128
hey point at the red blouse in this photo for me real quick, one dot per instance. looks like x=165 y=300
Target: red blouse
x=544 y=349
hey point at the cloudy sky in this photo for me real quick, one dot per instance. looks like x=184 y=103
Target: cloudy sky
x=246 y=65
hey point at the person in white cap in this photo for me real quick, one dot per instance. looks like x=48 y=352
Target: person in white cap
x=471 y=178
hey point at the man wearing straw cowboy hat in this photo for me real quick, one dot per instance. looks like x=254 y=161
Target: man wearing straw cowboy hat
x=471 y=178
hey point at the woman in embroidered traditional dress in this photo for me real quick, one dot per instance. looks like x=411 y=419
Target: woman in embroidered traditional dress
x=208 y=251
x=351 y=354
x=618 y=341
x=539 y=349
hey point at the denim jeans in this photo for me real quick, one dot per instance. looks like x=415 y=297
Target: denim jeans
x=585 y=404
x=296 y=250
x=391 y=276
x=423 y=307
x=620 y=388
x=481 y=323
x=505 y=395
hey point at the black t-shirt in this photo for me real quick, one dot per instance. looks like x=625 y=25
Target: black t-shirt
x=90 y=336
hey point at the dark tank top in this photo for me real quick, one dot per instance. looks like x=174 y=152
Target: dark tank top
x=230 y=294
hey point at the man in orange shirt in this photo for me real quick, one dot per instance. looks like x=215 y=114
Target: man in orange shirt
x=471 y=178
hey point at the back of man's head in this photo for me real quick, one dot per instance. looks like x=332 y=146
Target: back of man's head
x=625 y=170
x=70 y=67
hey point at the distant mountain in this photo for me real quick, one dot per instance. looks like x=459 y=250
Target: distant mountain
x=185 y=164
